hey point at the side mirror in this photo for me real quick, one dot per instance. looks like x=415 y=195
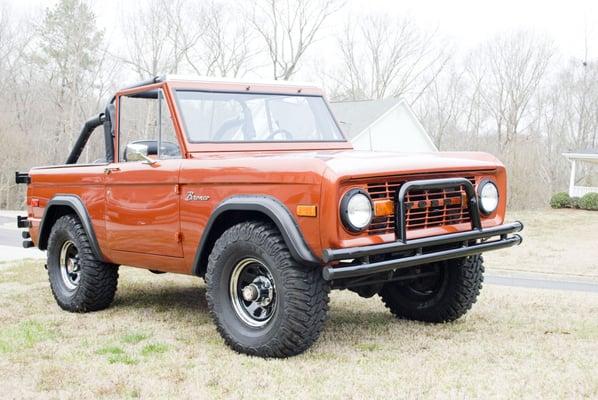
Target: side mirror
x=137 y=152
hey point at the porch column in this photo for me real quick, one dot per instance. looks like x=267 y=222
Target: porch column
x=572 y=179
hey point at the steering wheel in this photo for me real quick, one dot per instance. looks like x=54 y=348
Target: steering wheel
x=227 y=126
x=287 y=135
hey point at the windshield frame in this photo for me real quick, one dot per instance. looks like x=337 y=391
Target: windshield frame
x=186 y=132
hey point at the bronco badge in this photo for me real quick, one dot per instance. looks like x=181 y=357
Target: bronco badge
x=190 y=196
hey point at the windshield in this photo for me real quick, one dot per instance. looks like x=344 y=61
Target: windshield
x=245 y=117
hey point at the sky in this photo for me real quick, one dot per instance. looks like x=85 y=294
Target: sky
x=465 y=22
x=468 y=22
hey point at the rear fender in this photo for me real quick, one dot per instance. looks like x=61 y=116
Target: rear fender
x=57 y=207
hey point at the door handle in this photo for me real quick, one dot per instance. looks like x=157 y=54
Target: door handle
x=109 y=170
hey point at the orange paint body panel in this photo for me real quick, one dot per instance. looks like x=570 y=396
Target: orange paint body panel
x=144 y=215
x=141 y=198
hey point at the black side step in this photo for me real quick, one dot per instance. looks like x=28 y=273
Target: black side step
x=23 y=222
x=22 y=177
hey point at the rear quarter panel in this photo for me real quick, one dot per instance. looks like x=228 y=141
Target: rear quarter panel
x=85 y=181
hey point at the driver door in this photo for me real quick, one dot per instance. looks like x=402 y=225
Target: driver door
x=142 y=200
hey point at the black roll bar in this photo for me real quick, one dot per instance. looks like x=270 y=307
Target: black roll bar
x=86 y=131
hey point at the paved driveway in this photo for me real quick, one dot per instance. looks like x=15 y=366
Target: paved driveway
x=537 y=282
x=11 y=242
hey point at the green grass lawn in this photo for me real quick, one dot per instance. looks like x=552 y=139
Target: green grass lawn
x=157 y=341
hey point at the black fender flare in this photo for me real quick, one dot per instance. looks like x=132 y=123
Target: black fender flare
x=273 y=209
x=75 y=203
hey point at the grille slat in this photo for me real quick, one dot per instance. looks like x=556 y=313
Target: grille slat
x=424 y=209
x=428 y=217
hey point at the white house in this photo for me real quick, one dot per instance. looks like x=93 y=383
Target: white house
x=382 y=125
x=586 y=156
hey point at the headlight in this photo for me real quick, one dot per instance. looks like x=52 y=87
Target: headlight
x=488 y=194
x=356 y=210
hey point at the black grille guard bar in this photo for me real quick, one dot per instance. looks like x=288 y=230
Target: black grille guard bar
x=472 y=201
x=466 y=249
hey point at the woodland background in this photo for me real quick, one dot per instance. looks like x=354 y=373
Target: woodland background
x=514 y=95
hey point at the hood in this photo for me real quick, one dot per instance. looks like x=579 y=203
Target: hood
x=310 y=166
x=354 y=164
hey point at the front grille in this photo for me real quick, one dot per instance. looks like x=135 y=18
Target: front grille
x=424 y=208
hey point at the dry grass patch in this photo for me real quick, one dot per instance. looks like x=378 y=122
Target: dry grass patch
x=554 y=242
x=157 y=341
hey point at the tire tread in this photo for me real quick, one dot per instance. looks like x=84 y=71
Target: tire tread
x=458 y=301
x=306 y=290
x=99 y=280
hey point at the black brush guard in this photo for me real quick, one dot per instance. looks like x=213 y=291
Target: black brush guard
x=409 y=253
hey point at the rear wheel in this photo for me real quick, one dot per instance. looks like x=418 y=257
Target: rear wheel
x=262 y=301
x=79 y=281
x=444 y=296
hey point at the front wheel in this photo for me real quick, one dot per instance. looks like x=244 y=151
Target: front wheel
x=445 y=295
x=262 y=301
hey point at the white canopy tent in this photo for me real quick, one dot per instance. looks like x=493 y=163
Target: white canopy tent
x=589 y=157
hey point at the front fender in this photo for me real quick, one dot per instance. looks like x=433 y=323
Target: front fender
x=271 y=208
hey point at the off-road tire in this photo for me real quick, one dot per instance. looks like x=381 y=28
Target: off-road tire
x=97 y=280
x=301 y=293
x=457 y=291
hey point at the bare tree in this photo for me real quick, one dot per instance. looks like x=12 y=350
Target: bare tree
x=579 y=99
x=68 y=60
x=157 y=38
x=207 y=38
x=288 y=28
x=382 y=57
x=475 y=113
x=13 y=46
x=47 y=73
x=442 y=104
x=516 y=65
x=223 y=48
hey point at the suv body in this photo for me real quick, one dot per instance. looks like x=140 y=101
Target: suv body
x=257 y=180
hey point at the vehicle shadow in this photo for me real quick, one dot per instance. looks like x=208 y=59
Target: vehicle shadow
x=188 y=303
x=180 y=299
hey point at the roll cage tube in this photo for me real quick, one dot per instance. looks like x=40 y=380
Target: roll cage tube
x=109 y=132
x=89 y=126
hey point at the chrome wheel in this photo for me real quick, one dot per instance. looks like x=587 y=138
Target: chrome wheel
x=70 y=269
x=252 y=292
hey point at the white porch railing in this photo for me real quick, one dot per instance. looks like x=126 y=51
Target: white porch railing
x=579 y=191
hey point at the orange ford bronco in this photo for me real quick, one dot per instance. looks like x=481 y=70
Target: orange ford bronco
x=253 y=187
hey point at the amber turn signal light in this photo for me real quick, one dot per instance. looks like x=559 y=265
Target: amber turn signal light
x=383 y=208
x=307 y=211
